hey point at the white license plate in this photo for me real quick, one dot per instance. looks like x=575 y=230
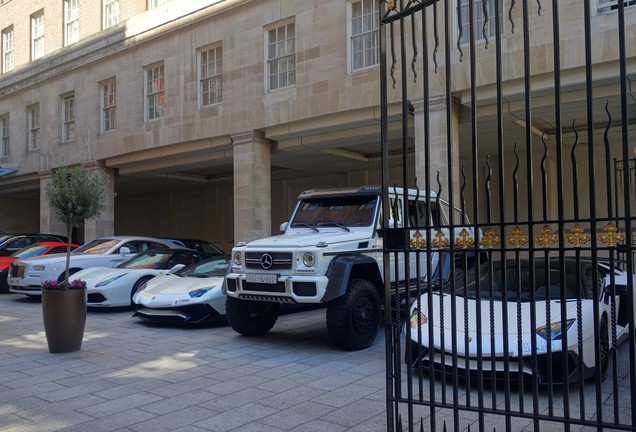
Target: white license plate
x=261 y=278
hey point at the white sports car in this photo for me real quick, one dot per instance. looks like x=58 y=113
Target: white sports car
x=526 y=325
x=26 y=275
x=190 y=295
x=115 y=286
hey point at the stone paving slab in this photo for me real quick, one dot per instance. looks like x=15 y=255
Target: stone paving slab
x=132 y=376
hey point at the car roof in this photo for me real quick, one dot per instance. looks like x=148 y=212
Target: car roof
x=6 y=237
x=125 y=237
x=133 y=237
x=32 y=234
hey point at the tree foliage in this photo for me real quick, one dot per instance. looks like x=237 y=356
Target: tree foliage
x=75 y=195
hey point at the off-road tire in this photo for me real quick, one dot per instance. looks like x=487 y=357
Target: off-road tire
x=251 y=318
x=353 y=319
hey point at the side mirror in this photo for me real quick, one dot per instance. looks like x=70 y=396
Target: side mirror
x=176 y=267
x=283 y=227
x=124 y=250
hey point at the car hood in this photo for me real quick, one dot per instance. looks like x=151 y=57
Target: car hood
x=178 y=285
x=60 y=257
x=494 y=332
x=100 y=273
x=309 y=238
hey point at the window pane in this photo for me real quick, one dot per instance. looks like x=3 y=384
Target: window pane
x=364 y=44
x=281 y=56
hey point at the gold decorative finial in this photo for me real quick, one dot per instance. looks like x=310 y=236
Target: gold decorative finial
x=440 y=242
x=390 y=5
x=490 y=239
x=518 y=238
x=547 y=237
x=464 y=240
x=577 y=236
x=418 y=241
x=612 y=236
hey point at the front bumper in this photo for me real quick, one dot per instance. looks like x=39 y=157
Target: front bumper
x=32 y=290
x=287 y=289
x=548 y=370
x=191 y=314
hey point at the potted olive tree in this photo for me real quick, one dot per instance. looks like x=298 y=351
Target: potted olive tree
x=74 y=195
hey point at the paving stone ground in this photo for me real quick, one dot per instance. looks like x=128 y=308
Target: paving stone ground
x=131 y=376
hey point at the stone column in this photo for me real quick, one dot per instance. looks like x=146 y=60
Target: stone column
x=438 y=149
x=48 y=222
x=104 y=224
x=252 y=186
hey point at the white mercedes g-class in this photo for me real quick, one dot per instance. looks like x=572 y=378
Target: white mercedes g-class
x=330 y=252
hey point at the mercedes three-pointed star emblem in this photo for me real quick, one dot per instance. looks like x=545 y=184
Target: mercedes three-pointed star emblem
x=267 y=261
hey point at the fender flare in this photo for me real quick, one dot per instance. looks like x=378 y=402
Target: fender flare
x=340 y=270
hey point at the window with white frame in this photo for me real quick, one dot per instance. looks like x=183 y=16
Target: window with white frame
x=109 y=105
x=7 y=49
x=33 y=117
x=364 y=45
x=37 y=35
x=68 y=120
x=71 y=21
x=110 y=13
x=156 y=3
x=154 y=92
x=479 y=18
x=281 y=56
x=4 y=135
x=210 y=78
x=610 y=5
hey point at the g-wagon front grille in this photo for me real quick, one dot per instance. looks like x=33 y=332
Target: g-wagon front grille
x=268 y=260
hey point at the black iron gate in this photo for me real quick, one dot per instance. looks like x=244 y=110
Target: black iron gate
x=521 y=312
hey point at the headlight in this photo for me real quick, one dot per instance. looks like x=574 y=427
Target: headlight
x=198 y=293
x=555 y=330
x=109 y=280
x=37 y=268
x=309 y=259
x=417 y=318
x=237 y=258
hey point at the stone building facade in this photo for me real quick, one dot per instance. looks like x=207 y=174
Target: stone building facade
x=210 y=116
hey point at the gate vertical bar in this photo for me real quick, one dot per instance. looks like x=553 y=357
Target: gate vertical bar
x=391 y=378
x=627 y=199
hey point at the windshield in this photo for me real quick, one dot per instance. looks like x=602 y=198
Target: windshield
x=547 y=284
x=96 y=247
x=206 y=268
x=147 y=260
x=30 y=251
x=350 y=210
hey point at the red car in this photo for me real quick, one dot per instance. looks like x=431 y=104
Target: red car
x=36 y=249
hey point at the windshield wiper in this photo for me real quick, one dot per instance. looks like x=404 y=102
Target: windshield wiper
x=306 y=225
x=338 y=224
